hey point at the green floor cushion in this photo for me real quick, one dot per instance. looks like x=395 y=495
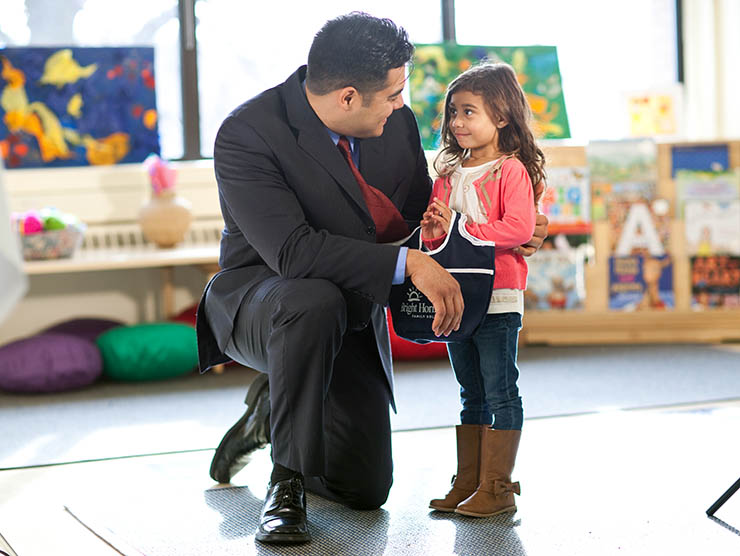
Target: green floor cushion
x=151 y=351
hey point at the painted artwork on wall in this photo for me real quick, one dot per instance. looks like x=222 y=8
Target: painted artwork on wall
x=77 y=106
x=436 y=65
x=655 y=112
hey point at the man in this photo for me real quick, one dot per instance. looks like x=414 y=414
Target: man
x=316 y=176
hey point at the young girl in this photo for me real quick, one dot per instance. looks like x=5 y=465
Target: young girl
x=487 y=166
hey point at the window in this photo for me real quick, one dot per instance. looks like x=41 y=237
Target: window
x=605 y=49
x=247 y=47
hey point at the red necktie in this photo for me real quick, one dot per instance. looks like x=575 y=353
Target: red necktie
x=389 y=224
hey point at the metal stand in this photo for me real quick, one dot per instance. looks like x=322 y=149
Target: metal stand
x=5 y=549
x=724 y=498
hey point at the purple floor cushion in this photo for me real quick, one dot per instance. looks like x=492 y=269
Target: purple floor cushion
x=49 y=362
x=151 y=351
x=88 y=328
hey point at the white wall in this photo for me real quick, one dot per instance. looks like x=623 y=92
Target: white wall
x=102 y=195
x=711 y=58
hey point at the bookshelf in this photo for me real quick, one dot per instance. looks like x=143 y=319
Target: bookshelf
x=596 y=323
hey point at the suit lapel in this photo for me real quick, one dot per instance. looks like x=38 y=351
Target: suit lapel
x=314 y=139
x=371 y=157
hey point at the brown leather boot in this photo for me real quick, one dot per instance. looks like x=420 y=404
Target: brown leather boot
x=465 y=481
x=495 y=493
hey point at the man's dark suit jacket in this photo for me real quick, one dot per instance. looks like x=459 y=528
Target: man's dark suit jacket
x=292 y=208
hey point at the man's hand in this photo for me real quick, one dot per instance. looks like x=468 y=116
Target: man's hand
x=540 y=233
x=441 y=289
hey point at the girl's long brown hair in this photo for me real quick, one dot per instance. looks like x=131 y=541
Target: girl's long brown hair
x=504 y=98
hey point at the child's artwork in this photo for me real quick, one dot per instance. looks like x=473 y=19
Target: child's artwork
x=715 y=282
x=712 y=227
x=77 y=106
x=566 y=201
x=634 y=160
x=436 y=65
x=556 y=278
x=653 y=113
x=705 y=185
x=640 y=282
x=713 y=158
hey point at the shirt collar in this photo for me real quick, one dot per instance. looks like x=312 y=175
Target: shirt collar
x=335 y=136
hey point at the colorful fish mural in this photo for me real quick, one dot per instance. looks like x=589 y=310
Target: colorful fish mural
x=537 y=69
x=77 y=106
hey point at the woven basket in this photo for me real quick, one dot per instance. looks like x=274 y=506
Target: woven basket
x=53 y=244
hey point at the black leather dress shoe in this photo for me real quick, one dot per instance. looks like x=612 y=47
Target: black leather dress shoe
x=250 y=432
x=283 y=518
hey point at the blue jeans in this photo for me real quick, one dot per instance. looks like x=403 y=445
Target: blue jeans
x=485 y=367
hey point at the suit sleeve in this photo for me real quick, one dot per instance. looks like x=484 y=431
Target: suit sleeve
x=421 y=185
x=268 y=212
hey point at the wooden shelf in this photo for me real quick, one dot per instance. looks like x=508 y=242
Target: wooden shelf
x=119 y=259
x=610 y=327
x=94 y=260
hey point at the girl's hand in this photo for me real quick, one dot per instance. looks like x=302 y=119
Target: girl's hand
x=436 y=220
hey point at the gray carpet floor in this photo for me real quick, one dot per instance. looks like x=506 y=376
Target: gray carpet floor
x=111 y=420
x=615 y=483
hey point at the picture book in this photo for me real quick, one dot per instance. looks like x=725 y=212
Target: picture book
x=566 y=201
x=700 y=157
x=641 y=282
x=632 y=160
x=715 y=282
x=604 y=194
x=712 y=227
x=703 y=185
x=556 y=278
x=637 y=226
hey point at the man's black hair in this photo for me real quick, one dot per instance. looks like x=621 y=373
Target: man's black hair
x=356 y=50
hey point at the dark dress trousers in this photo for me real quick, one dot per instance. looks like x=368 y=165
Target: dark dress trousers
x=303 y=283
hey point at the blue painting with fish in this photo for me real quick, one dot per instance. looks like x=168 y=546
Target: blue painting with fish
x=77 y=106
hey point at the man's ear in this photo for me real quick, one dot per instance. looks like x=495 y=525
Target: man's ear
x=347 y=97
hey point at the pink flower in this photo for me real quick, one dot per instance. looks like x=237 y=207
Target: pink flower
x=161 y=176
